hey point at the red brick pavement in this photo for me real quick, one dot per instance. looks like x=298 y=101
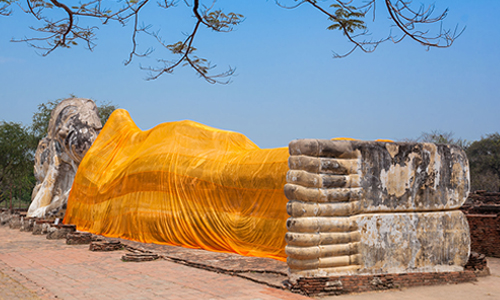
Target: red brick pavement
x=51 y=269
x=11 y=288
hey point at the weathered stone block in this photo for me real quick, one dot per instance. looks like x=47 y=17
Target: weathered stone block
x=4 y=217
x=414 y=242
x=15 y=222
x=393 y=176
x=386 y=208
x=41 y=226
x=27 y=224
x=413 y=176
x=79 y=238
x=57 y=232
x=105 y=246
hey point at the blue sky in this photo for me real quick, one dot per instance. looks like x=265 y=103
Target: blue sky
x=287 y=84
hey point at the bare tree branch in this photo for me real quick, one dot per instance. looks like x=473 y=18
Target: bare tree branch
x=366 y=46
x=4 y=8
x=348 y=16
x=70 y=20
x=185 y=49
x=407 y=24
x=133 y=52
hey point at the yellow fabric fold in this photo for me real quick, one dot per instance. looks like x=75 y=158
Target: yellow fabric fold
x=182 y=183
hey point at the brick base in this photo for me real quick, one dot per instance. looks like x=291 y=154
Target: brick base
x=339 y=285
x=483 y=213
x=485 y=234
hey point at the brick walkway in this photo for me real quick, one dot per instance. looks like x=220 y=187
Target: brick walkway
x=12 y=289
x=32 y=267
